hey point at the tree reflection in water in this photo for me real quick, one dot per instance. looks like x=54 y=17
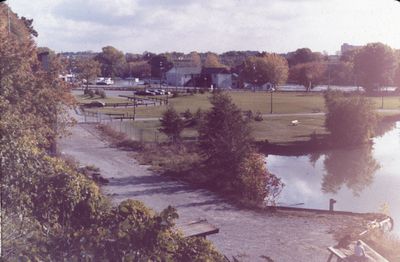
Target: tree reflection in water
x=354 y=168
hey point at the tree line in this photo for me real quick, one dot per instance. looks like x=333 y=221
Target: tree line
x=371 y=66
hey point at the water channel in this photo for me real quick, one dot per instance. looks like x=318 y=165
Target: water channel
x=365 y=179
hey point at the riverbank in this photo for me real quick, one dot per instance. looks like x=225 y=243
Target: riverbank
x=246 y=234
x=319 y=142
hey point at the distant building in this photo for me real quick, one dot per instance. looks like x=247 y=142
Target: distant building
x=69 y=78
x=347 y=47
x=218 y=77
x=182 y=76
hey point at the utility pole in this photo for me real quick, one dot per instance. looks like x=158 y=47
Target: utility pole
x=271 y=99
x=161 y=68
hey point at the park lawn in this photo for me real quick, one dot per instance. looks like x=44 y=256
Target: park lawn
x=254 y=101
x=283 y=103
x=85 y=99
x=277 y=130
x=389 y=102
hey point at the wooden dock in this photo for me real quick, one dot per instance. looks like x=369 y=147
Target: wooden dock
x=198 y=228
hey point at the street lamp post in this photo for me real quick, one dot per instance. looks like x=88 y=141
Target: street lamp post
x=176 y=79
x=272 y=91
x=161 y=68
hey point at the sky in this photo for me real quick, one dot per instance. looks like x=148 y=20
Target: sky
x=211 y=25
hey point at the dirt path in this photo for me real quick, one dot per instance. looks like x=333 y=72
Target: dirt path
x=249 y=235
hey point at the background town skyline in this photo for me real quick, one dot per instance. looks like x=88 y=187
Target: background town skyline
x=273 y=26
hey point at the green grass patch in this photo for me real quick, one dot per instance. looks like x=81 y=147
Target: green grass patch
x=274 y=129
x=280 y=130
x=85 y=99
x=283 y=103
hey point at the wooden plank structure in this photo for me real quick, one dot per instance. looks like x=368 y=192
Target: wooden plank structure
x=198 y=228
x=347 y=254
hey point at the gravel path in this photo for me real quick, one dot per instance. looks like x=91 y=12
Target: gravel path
x=246 y=234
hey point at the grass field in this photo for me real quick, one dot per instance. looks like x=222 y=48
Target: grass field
x=275 y=128
x=283 y=102
x=85 y=99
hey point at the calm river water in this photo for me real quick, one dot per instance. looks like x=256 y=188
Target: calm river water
x=366 y=179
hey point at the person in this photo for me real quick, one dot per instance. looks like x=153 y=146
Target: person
x=359 y=252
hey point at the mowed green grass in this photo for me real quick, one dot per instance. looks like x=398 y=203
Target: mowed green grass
x=256 y=102
x=277 y=130
x=85 y=99
x=282 y=103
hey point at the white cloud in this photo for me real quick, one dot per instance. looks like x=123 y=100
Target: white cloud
x=185 y=25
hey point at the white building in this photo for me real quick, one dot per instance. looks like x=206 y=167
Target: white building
x=182 y=76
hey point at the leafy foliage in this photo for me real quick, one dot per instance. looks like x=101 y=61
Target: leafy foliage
x=225 y=137
x=308 y=74
x=256 y=183
x=49 y=210
x=159 y=65
x=171 y=124
x=270 y=68
x=112 y=61
x=350 y=120
x=303 y=55
x=374 y=66
x=232 y=166
x=88 y=69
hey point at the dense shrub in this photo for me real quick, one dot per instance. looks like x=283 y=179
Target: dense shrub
x=171 y=124
x=102 y=94
x=350 y=120
x=256 y=184
x=90 y=93
x=175 y=94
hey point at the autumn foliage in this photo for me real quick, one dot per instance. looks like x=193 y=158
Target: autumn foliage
x=50 y=211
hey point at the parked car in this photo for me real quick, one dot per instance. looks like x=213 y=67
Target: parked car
x=159 y=91
x=145 y=93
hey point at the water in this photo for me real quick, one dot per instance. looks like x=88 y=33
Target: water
x=366 y=179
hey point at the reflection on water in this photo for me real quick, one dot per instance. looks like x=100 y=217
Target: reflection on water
x=361 y=180
x=354 y=168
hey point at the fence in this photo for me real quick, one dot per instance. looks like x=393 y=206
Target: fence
x=124 y=124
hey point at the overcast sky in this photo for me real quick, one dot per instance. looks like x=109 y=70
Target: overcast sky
x=211 y=25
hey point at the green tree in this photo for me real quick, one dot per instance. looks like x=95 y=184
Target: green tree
x=171 y=124
x=112 y=61
x=340 y=73
x=256 y=184
x=308 y=74
x=212 y=60
x=159 y=65
x=350 y=120
x=88 y=69
x=303 y=55
x=270 y=68
x=374 y=66
x=137 y=69
x=225 y=138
